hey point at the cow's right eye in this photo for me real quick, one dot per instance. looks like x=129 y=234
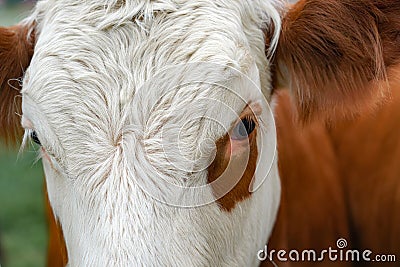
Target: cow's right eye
x=243 y=129
x=35 y=138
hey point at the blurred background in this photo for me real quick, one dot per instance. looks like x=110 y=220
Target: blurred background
x=23 y=236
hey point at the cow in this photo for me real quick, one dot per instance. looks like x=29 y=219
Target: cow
x=154 y=124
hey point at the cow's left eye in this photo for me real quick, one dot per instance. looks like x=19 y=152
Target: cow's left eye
x=35 y=138
x=243 y=129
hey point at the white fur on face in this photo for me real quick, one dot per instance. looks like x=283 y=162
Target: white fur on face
x=111 y=88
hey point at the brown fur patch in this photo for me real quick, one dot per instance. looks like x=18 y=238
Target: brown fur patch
x=333 y=54
x=241 y=190
x=16 y=51
x=57 y=255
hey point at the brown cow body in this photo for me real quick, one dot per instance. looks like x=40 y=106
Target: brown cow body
x=368 y=154
x=351 y=170
x=312 y=214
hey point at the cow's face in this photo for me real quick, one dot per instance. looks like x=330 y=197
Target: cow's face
x=153 y=119
x=153 y=127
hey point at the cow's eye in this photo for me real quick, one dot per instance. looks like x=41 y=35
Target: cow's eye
x=243 y=129
x=35 y=138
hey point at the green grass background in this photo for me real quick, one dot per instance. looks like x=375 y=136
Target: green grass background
x=23 y=232
x=22 y=218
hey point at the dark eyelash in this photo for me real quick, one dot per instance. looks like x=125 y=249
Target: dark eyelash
x=248 y=117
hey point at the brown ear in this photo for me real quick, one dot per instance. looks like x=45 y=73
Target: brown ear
x=335 y=56
x=16 y=50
